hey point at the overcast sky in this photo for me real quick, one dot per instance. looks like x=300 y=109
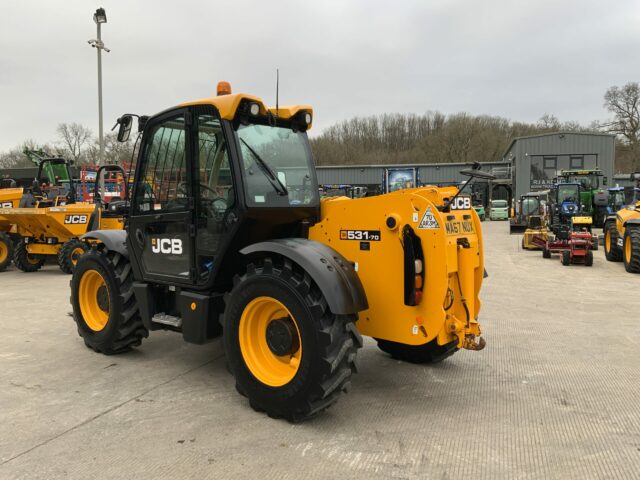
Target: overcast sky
x=347 y=58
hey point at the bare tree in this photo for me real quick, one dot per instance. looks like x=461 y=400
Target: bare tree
x=73 y=139
x=624 y=103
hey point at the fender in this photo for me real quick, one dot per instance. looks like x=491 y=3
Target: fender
x=632 y=221
x=114 y=240
x=333 y=273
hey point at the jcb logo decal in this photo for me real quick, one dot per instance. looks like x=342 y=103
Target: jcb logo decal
x=75 y=219
x=461 y=203
x=6 y=205
x=166 y=245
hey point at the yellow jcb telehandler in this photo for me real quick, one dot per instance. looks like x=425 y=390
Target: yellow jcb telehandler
x=227 y=236
x=622 y=237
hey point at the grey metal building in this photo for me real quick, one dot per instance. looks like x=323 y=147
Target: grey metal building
x=537 y=159
x=374 y=176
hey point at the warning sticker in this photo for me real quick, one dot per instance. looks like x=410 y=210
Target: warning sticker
x=429 y=220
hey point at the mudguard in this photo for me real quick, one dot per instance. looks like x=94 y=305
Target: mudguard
x=333 y=273
x=114 y=240
x=632 y=221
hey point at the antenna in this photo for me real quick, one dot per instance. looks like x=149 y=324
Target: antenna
x=277 y=88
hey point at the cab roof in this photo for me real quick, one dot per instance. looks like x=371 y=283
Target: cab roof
x=227 y=106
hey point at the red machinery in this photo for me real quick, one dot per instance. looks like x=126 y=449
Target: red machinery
x=574 y=243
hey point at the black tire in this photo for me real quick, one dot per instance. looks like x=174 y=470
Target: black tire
x=631 y=257
x=24 y=260
x=588 y=258
x=329 y=342
x=566 y=257
x=124 y=328
x=612 y=251
x=69 y=254
x=594 y=242
x=6 y=251
x=428 y=353
x=546 y=253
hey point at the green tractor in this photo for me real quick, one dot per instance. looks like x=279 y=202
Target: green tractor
x=593 y=197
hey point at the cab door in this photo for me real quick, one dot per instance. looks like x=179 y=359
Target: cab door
x=161 y=232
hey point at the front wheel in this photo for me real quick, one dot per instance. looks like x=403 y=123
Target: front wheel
x=70 y=253
x=588 y=258
x=428 y=353
x=6 y=251
x=631 y=252
x=566 y=257
x=104 y=306
x=290 y=355
x=25 y=261
x=612 y=251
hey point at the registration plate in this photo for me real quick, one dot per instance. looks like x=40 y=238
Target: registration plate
x=457 y=227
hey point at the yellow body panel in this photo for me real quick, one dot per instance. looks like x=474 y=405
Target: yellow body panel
x=227 y=105
x=63 y=223
x=632 y=212
x=448 y=266
x=43 y=248
x=581 y=220
x=9 y=198
x=531 y=233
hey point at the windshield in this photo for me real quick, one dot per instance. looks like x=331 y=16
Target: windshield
x=568 y=193
x=499 y=204
x=277 y=166
x=617 y=198
x=588 y=182
x=529 y=205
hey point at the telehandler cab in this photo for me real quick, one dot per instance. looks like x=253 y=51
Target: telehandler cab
x=227 y=236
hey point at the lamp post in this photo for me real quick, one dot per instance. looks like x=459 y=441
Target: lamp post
x=100 y=17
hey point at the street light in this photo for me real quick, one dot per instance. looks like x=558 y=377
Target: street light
x=100 y=17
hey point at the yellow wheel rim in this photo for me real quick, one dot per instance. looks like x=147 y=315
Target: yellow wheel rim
x=76 y=253
x=32 y=259
x=93 y=298
x=627 y=249
x=4 y=251
x=607 y=241
x=269 y=368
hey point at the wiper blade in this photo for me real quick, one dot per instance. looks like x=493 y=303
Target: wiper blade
x=266 y=169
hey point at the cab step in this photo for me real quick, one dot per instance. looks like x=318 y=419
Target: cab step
x=165 y=319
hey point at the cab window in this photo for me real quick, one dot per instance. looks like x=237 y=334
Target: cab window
x=162 y=184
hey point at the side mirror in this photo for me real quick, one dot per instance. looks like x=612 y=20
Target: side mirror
x=125 y=122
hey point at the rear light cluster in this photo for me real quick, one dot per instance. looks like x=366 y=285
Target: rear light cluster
x=413 y=267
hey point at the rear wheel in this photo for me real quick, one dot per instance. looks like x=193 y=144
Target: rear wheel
x=428 y=353
x=631 y=252
x=594 y=242
x=26 y=261
x=104 y=306
x=6 y=251
x=290 y=355
x=70 y=253
x=566 y=257
x=546 y=253
x=612 y=251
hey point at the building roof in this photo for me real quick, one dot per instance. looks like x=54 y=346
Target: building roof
x=408 y=165
x=561 y=132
